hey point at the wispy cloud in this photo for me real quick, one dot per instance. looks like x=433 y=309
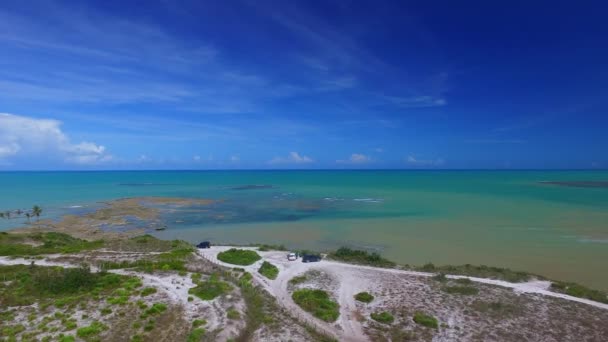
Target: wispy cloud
x=355 y=158
x=413 y=161
x=292 y=158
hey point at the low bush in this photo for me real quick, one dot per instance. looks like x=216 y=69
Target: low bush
x=233 y=314
x=577 y=290
x=318 y=303
x=269 y=270
x=383 y=317
x=148 y=291
x=364 y=297
x=461 y=290
x=210 y=289
x=155 y=309
x=297 y=280
x=46 y=243
x=426 y=320
x=196 y=335
x=481 y=271
x=360 y=257
x=92 y=330
x=242 y=257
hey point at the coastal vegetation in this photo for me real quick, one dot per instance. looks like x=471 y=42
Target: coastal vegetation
x=269 y=270
x=210 y=288
x=426 y=320
x=383 y=317
x=480 y=271
x=318 y=303
x=12 y=244
x=297 y=280
x=577 y=290
x=355 y=256
x=242 y=257
x=461 y=290
x=364 y=297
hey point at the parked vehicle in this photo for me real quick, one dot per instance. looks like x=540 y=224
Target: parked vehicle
x=204 y=244
x=311 y=258
x=292 y=256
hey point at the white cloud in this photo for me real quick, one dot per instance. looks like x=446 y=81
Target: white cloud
x=22 y=136
x=356 y=158
x=292 y=158
x=379 y=149
x=235 y=159
x=196 y=158
x=424 y=162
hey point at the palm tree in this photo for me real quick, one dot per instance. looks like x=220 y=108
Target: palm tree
x=28 y=215
x=1 y=215
x=7 y=214
x=36 y=210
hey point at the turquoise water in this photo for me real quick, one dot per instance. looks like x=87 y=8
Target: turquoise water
x=492 y=217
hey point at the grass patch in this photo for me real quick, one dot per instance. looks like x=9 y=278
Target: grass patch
x=148 y=291
x=297 y=280
x=318 y=303
x=196 y=335
x=266 y=248
x=233 y=314
x=92 y=330
x=496 y=309
x=383 y=317
x=461 y=290
x=269 y=270
x=426 y=320
x=580 y=291
x=210 y=289
x=481 y=271
x=240 y=257
x=354 y=256
x=16 y=244
x=364 y=297
x=198 y=322
x=25 y=285
x=156 y=309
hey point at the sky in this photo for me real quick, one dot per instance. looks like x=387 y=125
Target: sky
x=104 y=85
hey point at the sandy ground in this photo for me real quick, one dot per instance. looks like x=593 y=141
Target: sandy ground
x=396 y=291
x=352 y=279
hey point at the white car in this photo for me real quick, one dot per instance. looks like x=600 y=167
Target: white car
x=292 y=256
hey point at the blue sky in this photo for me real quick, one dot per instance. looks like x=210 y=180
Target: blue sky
x=295 y=84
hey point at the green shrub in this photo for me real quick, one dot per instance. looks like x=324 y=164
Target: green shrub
x=464 y=281
x=265 y=248
x=481 y=271
x=269 y=270
x=106 y=311
x=364 y=297
x=196 y=335
x=462 y=290
x=440 y=277
x=155 y=309
x=233 y=314
x=148 y=291
x=297 y=280
x=241 y=257
x=360 y=257
x=94 y=329
x=318 y=303
x=67 y=338
x=383 y=317
x=577 y=290
x=198 y=322
x=210 y=289
x=426 y=320
x=49 y=243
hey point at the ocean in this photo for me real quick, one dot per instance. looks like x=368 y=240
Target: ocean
x=499 y=218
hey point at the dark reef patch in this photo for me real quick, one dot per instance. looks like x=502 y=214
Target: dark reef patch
x=578 y=184
x=253 y=187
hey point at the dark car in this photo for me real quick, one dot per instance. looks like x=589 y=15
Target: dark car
x=204 y=244
x=311 y=258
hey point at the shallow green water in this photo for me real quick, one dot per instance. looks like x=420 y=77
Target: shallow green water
x=491 y=217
